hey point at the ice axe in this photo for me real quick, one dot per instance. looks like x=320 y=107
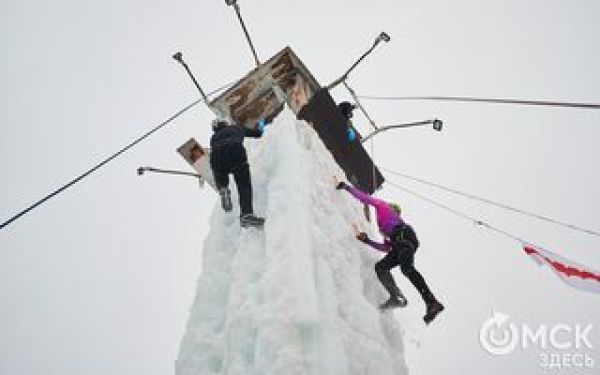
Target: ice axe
x=178 y=56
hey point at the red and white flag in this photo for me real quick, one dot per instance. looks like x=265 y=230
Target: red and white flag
x=574 y=274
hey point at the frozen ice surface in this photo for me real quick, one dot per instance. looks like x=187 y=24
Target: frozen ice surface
x=299 y=296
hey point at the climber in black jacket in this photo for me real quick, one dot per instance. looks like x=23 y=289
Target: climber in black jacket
x=228 y=156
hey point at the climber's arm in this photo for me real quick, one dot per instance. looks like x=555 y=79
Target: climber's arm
x=258 y=131
x=383 y=247
x=364 y=197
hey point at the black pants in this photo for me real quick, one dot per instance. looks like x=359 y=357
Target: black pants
x=229 y=159
x=404 y=246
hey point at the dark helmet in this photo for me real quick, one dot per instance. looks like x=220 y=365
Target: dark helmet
x=219 y=123
x=346 y=108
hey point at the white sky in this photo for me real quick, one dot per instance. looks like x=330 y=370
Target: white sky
x=99 y=280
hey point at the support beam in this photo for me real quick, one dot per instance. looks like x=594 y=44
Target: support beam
x=236 y=7
x=437 y=125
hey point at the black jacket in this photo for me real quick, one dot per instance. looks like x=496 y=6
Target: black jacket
x=232 y=134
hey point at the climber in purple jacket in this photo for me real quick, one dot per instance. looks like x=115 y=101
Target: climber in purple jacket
x=400 y=244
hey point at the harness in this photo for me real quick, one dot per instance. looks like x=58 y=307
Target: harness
x=399 y=236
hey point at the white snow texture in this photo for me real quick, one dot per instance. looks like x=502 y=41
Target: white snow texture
x=299 y=296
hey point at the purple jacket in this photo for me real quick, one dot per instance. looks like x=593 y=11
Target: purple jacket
x=387 y=218
x=384 y=247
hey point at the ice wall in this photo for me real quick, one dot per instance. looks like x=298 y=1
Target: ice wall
x=299 y=296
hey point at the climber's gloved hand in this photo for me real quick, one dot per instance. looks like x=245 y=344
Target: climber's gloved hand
x=341 y=185
x=362 y=237
x=261 y=125
x=350 y=134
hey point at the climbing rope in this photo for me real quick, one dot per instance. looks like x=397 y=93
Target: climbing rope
x=564 y=268
x=486 y=100
x=458 y=213
x=373 y=167
x=108 y=159
x=494 y=203
x=359 y=104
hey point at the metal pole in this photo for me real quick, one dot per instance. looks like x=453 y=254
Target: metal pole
x=246 y=33
x=381 y=37
x=437 y=125
x=179 y=58
x=141 y=170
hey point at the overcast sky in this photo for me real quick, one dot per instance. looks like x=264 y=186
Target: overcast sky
x=99 y=280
